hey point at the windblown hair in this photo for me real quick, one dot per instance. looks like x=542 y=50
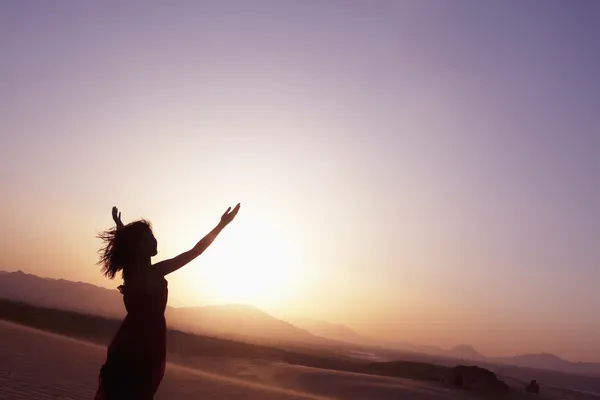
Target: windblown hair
x=120 y=248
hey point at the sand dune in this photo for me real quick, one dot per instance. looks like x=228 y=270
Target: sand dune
x=39 y=366
x=324 y=383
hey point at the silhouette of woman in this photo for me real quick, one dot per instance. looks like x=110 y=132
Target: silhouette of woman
x=136 y=357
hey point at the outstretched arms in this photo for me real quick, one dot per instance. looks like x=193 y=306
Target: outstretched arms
x=167 y=266
x=117 y=217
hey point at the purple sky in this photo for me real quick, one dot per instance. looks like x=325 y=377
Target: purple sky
x=436 y=163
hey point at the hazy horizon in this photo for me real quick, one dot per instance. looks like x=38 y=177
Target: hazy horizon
x=421 y=172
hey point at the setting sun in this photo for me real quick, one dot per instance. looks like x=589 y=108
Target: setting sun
x=254 y=262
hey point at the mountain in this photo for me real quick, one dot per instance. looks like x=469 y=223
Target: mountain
x=239 y=321
x=428 y=349
x=343 y=333
x=551 y=362
x=332 y=331
x=61 y=294
x=464 y=352
x=543 y=361
x=413 y=348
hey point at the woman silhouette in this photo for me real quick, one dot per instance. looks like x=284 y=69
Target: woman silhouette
x=136 y=357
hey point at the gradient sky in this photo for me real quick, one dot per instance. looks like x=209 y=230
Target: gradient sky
x=423 y=171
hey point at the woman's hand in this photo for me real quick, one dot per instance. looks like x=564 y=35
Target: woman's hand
x=117 y=217
x=229 y=215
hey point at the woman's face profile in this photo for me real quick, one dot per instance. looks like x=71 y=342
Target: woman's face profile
x=149 y=244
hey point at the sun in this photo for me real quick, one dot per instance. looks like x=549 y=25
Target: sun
x=253 y=262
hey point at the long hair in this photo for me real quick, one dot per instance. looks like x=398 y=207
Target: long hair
x=120 y=248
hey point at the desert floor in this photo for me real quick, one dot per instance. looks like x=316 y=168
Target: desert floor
x=36 y=365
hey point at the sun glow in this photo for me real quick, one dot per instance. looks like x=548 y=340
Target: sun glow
x=252 y=262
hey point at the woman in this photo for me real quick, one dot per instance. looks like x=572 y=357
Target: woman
x=135 y=359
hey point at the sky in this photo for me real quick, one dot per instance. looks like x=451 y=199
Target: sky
x=422 y=171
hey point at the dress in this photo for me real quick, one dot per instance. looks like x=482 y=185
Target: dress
x=136 y=357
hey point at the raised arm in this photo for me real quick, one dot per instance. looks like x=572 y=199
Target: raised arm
x=167 y=266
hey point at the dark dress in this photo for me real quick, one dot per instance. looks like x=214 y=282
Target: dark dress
x=136 y=357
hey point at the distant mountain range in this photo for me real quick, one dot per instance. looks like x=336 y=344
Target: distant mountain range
x=244 y=322
x=236 y=321
x=551 y=362
x=240 y=321
x=342 y=333
x=332 y=331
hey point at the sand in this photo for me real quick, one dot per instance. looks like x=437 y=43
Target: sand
x=36 y=365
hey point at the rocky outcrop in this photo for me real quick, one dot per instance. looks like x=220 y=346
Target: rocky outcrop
x=533 y=387
x=474 y=378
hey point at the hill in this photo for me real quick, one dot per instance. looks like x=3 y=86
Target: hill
x=550 y=362
x=332 y=331
x=238 y=321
